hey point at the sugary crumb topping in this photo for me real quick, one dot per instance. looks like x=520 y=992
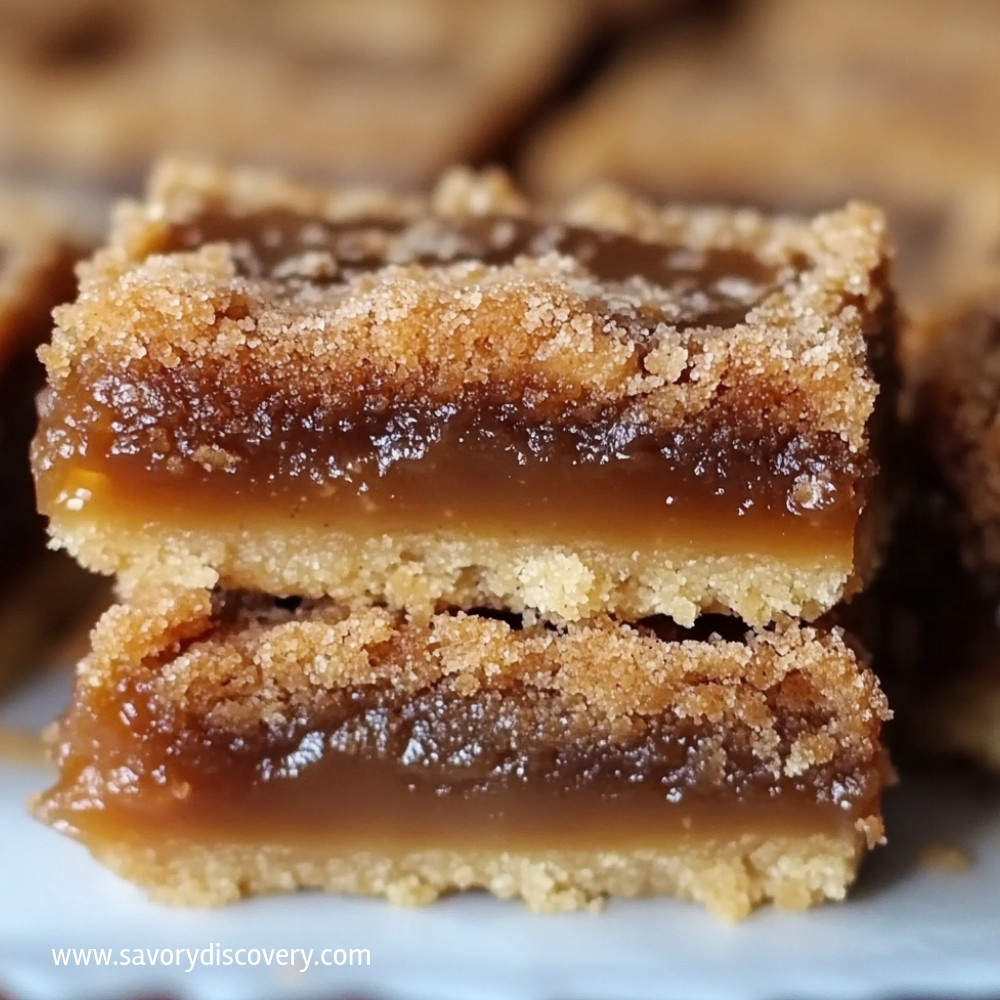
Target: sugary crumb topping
x=780 y=319
x=237 y=661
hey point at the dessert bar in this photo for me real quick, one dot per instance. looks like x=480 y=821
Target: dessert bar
x=39 y=591
x=943 y=571
x=799 y=106
x=395 y=89
x=466 y=400
x=226 y=744
x=957 y=401
x=35 y=275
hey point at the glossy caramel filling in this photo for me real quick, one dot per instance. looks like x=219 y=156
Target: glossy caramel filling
x=706 y=490
x=504 y=770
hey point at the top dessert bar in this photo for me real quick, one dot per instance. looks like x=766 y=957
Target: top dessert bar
x=470 y=400
x=790 y=104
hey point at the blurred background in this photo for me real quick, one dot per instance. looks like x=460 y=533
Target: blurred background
x=794 y=105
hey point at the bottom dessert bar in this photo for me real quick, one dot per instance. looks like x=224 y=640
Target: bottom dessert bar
x=220 y=745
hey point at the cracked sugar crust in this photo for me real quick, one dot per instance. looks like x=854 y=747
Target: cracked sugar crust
x=237 y=661
x=957 y=399
x=540 y=328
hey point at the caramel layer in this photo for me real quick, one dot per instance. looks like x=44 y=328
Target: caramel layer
x=373 y=770
x=706 y=488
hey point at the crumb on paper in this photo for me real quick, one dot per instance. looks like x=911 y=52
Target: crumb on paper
x=944 y=858
x=24 y=747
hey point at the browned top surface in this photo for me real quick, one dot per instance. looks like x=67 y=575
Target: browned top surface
x=238 y=663
x=545 y=329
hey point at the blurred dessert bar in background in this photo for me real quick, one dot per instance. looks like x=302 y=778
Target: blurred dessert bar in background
x=41 y=593
x=941 y=636
x=371 y=89
x=303 y=392
x=800 y=106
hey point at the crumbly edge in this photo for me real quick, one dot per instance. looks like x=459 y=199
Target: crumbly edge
x=235 y=662
x=730 y=878
x=465 y=324
x=421 y=571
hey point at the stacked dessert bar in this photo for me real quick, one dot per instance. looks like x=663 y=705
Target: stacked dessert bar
x=466 y=543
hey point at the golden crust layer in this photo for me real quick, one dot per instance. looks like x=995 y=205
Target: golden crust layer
x=730 y=879
x=535 y=320
x=419 y=572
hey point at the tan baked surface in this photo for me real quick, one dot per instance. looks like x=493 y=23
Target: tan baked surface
x=542 y=321
x=730 y=879
x=789 y=104
x=394 y=89
x=235 y=661
x=421 y=571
